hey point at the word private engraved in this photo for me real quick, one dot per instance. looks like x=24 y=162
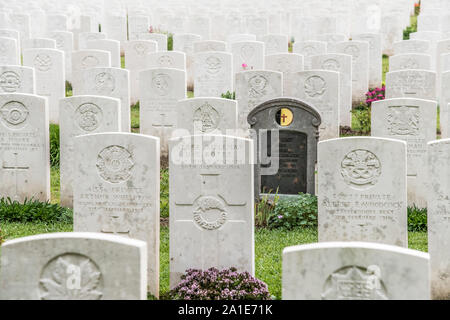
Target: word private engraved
x=71 y=276
x=403 y=120
x=355 y=283
x=360 y=168
x=114 y=164
x=209 y=213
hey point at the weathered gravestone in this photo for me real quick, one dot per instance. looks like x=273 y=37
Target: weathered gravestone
x=253 y=88
x=206 y=116
x=420 y=84
x=184 y=42
x=81 y=115
x=412 y=46
x=136 y=56
x=287 y=134
x=413 y=121
x=275 y=43
x=9 y=52
x=64 y=42
x=73 y=266
x=213 y=73
x=35 y=43
x=112 y=46
x=375 y=57
x=284 y=62
x=17 y=79
x=137 y=25
x=438 y=205
x=308 y=49
x=14 y=34
x=86 y=59
x=109 y=82
x=167 y=59
x=160 y=38
x=354 y=271
x=209 y=45
x=49 y=70
x=24 y=148
x=320 y=89
x=116 y=190
x=410 y=61
x=359 y=50
x=84 y=37
x=341 y=63
x=247 y=55
x=211 y=204
x=362 y=190
x=161 y=89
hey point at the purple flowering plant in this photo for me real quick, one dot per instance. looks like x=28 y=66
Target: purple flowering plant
x=375 y=94
x=213 y=284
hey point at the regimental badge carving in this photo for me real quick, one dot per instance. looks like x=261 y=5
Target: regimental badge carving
x=161 y=83
x=165 y=61
x=14 y=115
x=209 y=213
x=105 y=83
x=283 y=65
x=43 y=62
x=353 y=51
x=331 y=64
x=247 y=53
x=88 y=117
x=403 y=120
x=409 y=63
x=355 y=283
x=361 y=168
x=309 y=50
x=114 y=164
x=140 y=49
x=315 y=86
x=10 y=81
x=213 y=65
x=90 y=62
x=206 y=118
x=257 y=86
x=71 y=276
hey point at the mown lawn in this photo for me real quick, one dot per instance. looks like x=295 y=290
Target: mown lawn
x=269 y=245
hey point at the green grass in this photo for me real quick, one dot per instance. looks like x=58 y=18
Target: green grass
x=385 y=67
x=269 y=245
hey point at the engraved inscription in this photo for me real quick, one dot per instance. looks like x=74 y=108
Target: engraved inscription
x=360 y=168
x=331 y=64
x=105 y=83
x=209 y=213
x=14 y=115
x=43 y=62
x=161 y=83
x=355 y=283
x=165 y=61
x=90 y=62
x=71 y=276
x=315 y=86
x=213 y=65
x=114 y=164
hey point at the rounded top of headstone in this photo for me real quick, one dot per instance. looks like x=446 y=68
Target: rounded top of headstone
x=285 y=102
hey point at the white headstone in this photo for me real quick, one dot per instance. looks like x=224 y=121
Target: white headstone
x=17 y=79
x=9 y=52
x=284 y=62
x=167 y=59
x=160 y=38
x=320 y=89
x=362 y=190
x=275 y=43
x=64 y=42
x=375 y=57
x=112 y=46
x=308 y=49
x=24 y=151
x=213 y=73
x=49 y=67
x=211 y=204
x=73 y=266
x=247 y=55
x=420 y=84
x=184 y=42
x=410 y=61
x=439 y=217
x=123 y=170
x=354 y=271
x=84 y=37
x=210 y=45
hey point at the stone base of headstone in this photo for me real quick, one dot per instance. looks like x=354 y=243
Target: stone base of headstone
x=416 y=194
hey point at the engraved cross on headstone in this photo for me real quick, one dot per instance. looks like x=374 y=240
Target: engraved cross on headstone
x=16 y=169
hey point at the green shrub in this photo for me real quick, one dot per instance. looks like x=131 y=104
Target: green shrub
x=170 y=42
x=295 y=212
x=54 y=145
x=229 y=95
x=1 y=237
x=33 y=210
x=362 y=117
x=69 y=90
x=264 y=210
x=417 y=219
x=164 y=193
